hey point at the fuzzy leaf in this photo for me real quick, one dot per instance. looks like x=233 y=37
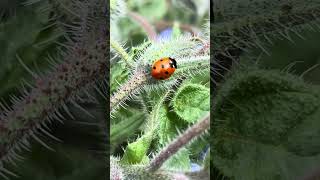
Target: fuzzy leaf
x=191 y=102
x=119 y=75
x=198 y=148
x=169 y=124
x=168 y=130
x=126 y=127
x=136 y=151
x=259 y=115
x=303 y=140
x=203 y=79
x=178 y=162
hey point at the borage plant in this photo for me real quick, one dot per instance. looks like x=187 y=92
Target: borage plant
x=150 y=117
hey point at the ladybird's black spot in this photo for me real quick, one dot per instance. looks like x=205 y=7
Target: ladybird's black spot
x=167 y=72
x=154 y=67
x=162 y=65
x=161 y=59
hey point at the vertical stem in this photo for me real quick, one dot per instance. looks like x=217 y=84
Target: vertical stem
x=119 y=49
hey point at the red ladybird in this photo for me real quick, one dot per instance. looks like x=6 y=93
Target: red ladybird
x=163 y=68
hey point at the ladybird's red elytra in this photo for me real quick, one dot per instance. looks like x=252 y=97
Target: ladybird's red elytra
x=163 y=68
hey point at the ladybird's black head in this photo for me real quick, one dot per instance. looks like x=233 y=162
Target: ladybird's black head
x=174 y=62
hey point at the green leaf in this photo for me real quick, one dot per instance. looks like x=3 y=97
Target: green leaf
x=303 y=140
x=261 y=123
x=191 y=102
x=178 y=162
x=166 y=128
x=203 y=79
x=197 y=147
x=128 y=125
x=135 y=152
x=169 y=124
x=119 y=75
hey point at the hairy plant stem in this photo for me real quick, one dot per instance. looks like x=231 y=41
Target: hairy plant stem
x=120 y=51
x=191 y=133
x=129 y=88
x=83 y=64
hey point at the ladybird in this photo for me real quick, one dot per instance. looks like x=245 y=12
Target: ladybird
x=163 y=68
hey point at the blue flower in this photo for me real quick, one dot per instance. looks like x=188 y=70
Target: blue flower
x=195 y=167
x=166 y=34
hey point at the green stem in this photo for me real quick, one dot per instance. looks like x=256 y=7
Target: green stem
x=121 y=51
